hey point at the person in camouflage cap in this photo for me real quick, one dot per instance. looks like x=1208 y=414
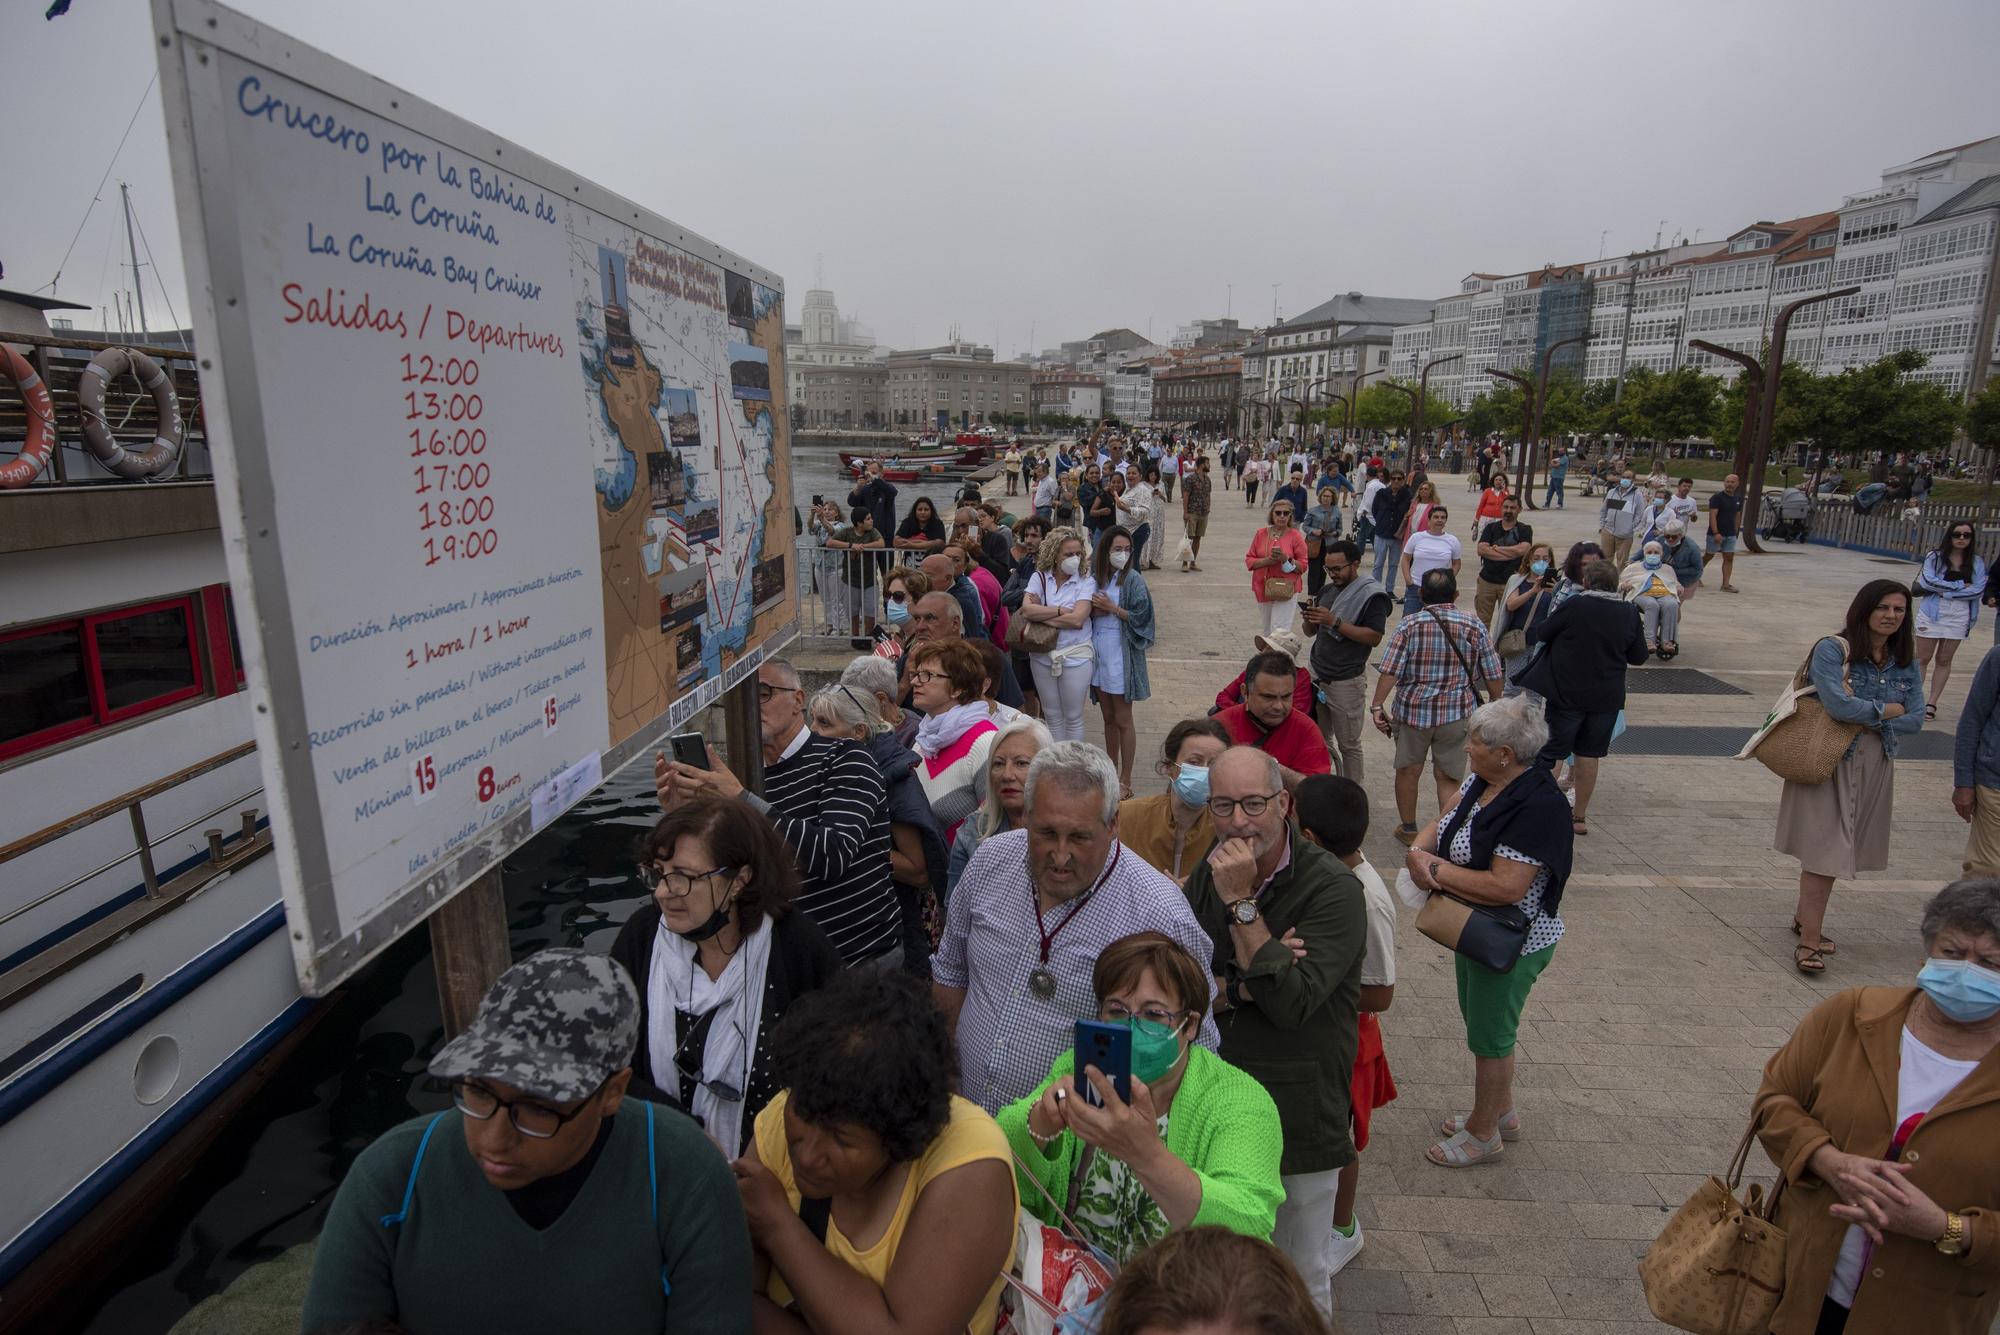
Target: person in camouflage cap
x=557 y=1202
x=557 y=1025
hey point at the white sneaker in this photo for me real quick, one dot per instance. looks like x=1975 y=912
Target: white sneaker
x=1346 y=1249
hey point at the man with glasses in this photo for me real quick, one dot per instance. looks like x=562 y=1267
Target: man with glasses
x=1346 y=621
x=450 y=1221
x=1290 y=923
x=827 y=799
x=1028 y=918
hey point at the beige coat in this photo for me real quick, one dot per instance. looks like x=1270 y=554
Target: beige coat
x=1835 y=1080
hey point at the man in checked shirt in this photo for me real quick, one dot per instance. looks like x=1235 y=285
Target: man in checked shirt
x=1433 y=666
x=1031 y=914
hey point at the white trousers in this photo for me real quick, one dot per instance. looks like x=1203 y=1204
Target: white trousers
x=1305 y=1231
x=1064 y=697
x=1278 y=615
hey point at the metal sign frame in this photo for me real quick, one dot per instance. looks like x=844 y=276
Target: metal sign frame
x=188 y=34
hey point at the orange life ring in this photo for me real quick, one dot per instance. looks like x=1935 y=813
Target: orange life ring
x=41 y=442
x=165 y=450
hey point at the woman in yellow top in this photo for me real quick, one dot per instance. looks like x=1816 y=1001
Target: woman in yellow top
x=1171 y=830
x=1651 y=583
x=880 y=1203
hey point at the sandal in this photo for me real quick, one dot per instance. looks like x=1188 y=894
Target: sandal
x=1826 y=946
x=1579 y=826
x=1407 y=834
x=1930 y=710
x=1669 y=649
x=1462 y=1149
x=1808 y=959
x=1510 y=1125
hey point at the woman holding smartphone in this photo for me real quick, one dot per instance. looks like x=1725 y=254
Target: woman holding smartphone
x=1524 y=604
x=1198 y=1143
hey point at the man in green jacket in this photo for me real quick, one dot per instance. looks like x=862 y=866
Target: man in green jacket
x=546 y=1200
x=1286 y=1018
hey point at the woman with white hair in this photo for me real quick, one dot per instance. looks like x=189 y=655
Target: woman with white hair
x=876 y=677
x=1508 y=841
x=917 y=856
x=1653 y=585
x=1014 y=749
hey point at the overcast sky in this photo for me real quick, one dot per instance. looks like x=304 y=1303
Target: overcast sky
x=1064 y=168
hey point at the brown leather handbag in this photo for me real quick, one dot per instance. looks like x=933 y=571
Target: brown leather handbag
x=1718 y=1267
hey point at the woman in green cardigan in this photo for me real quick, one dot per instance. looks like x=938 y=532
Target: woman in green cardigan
x=1198 y=1144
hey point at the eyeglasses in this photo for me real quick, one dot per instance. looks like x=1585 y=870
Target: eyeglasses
x=1118 y=1013
x=898 y=596
x=537 y=1121
x=679 y=884
x=924 y=677
x=764 y=693
x=1254 y=805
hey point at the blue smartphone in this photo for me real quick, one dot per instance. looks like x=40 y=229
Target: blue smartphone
x=1108 y=1047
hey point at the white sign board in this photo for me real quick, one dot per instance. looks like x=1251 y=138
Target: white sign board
x=501 y=458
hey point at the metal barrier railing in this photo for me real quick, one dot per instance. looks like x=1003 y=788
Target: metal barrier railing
x=131 y=803
x=840 y=589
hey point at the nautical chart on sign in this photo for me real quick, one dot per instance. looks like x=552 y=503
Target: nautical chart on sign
x=504 y=469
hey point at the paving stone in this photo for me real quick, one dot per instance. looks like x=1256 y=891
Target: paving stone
x=1602 y=1299
x=1518 y=1295
x=1445 y=1294
x=1372 y=1291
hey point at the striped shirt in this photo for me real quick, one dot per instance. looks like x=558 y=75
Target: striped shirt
x=826 y=797
x=1008 y=1037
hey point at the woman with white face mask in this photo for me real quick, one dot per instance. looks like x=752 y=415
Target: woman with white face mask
x=1882 y=1111
x=1121 y=630
x=1059 y=595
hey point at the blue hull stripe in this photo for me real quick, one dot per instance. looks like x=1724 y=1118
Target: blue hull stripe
x=37 y=1083
x=85 y=1197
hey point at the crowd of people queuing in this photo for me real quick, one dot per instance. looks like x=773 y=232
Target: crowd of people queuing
x=830 y=1077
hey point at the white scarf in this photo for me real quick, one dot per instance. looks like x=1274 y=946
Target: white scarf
x=938 y=731
x=675 y=982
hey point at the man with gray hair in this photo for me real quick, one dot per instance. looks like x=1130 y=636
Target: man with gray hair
x=1031 y=914
x=828 y=800
x=1288 y=1017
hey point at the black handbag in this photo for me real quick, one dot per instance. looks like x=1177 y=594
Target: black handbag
x=1490 y=935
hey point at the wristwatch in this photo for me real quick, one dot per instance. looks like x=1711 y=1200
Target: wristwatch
x=1243 y=911
x=1233 y=989
x=1953 y=1241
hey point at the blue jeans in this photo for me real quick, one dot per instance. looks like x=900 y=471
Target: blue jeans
x=1555 y=494
x=1412 y=602
x=1389 y=552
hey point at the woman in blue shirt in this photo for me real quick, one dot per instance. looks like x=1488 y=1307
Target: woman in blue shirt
x=1839 y=829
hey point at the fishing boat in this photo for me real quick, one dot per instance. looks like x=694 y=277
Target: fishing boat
x=950 y=456
x=144 y=966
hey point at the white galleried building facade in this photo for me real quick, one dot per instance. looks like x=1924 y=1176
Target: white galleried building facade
x=1333 y=341
x=1921 y=247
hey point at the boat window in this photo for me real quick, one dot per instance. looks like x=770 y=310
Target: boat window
x=44 y=685
x=143 y=656
x=66 y=678
x=235 y=639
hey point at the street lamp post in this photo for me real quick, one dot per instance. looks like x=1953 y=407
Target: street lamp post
x=1767 y=408
x=1313 y=389
x=1405 y=389
x=1286 y=398
x=1753 y=393
x=1424 y=384
x=1525 y=472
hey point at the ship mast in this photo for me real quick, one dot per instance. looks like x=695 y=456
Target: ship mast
x=138 y=283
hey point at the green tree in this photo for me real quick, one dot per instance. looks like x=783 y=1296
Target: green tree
x=1674 y=406
x=1799 y=392
x=1982 y=417
x=1497 y=410
x=1873 y=407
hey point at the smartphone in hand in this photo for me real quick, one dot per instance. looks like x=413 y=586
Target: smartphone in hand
x=690 y=748
x=1108 y=1047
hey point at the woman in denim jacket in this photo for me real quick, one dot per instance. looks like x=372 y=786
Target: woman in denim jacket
x=1840 y=828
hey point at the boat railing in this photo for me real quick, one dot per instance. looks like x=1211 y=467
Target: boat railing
x=128 y=409
x=227 y=850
